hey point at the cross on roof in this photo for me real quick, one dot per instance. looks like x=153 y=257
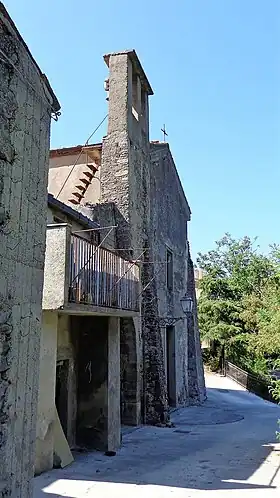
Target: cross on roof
x=164 y=132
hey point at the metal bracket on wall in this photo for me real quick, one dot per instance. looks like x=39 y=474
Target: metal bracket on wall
x=169 y=321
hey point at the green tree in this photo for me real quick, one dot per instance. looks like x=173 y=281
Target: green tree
x=231 y=303
x=267 y=339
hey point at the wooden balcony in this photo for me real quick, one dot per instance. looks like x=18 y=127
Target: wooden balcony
x=82 y=277
x=101 y=278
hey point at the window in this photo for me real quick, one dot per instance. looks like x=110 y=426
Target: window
x=135 y=100
x=144 y=114
x=169 y=270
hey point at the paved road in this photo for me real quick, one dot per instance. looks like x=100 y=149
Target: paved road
x=225 y=449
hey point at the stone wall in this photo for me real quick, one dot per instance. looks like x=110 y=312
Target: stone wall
x=125 y=181
x=170 y=214
x=142 y=195
x=196 y=384
x=25 y=113
x=130 y=371
x=141 y=180
x=67 y=347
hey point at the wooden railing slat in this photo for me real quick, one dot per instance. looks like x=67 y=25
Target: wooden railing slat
x=95 y=277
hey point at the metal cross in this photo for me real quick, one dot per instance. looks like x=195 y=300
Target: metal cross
x=164 y=132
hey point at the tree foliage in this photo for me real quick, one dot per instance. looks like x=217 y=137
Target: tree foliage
x=239 y=304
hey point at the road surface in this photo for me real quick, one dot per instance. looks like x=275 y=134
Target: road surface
x=224 y=449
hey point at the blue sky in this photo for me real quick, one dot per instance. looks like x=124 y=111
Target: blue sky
x=214 y=66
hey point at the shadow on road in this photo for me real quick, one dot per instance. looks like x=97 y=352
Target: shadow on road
x=219 y=447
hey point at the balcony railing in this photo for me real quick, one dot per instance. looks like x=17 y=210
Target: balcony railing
x=252 y=383
x=101 y=278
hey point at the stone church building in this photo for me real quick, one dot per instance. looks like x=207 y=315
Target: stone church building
x=131 y=188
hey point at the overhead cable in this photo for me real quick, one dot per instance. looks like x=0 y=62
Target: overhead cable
x=79 y=155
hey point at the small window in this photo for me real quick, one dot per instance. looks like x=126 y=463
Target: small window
x=169 y=270
x=143 y=101
x=135 y=103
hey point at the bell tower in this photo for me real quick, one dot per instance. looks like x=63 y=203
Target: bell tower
x=125 y=172
x=126 y=182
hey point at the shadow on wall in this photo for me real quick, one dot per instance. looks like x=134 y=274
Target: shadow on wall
x=108 y=215
x=154 y=399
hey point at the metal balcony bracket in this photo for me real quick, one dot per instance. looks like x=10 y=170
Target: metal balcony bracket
x=169 y=321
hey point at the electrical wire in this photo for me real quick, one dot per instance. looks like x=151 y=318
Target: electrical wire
x=133 y=263
x=94 y=229
x=149 y=283
x=92 y=255
x=79 y=155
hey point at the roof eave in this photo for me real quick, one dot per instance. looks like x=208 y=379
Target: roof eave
x=137 y=66
x=45 y=81
x=76 y=215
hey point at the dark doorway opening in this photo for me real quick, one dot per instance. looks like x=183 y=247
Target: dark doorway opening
x=61 y=393
x=92 y=418
x=170 y=366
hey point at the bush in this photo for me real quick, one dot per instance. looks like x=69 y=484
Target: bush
x=214 y=364
x=211 y=360
x=274 y=390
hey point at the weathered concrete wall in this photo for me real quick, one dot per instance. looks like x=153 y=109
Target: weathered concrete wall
x=67 y=350
x=58 y=344
x=56 y=267
x=25 y=113
x=113 y=436
x=46 y=403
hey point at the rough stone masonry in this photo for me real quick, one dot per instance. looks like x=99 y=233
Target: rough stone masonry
x=151 y=212
x=127 y=184
x=25 y=112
